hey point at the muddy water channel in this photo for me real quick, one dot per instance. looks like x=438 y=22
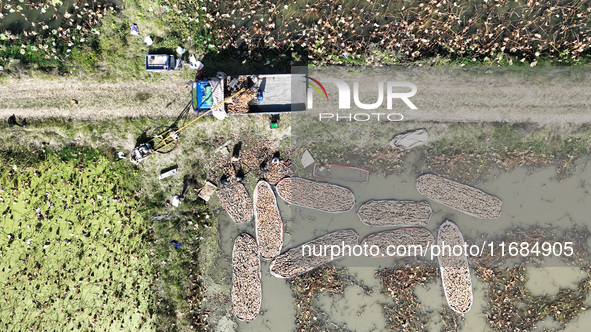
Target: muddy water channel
x=532 y=198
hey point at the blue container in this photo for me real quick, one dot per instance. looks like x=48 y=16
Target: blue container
x=202 y=95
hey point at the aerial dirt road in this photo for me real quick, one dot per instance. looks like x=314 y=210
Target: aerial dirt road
x=546 y=96
x=86 y=100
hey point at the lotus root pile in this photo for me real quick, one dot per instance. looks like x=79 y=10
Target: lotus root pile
x=235 y=200
x=268 y=223
x=297 y=261
x=315 y=195
x=455 y=271
x=415 y=240
x=395 y=213
x=459 y=196
x=246 y=278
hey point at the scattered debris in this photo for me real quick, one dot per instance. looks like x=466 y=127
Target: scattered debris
x=148 y=41
x=394 y=213
x=325 y=280
x=168 y=172
x=160 y=218
x=403 y=239
x=455 y=271
x=340 y=172
x=176 y=201
x=274 y=121
x=409 y=139
x=459 y=196
x=140 y=153
x=223 y=149
x=175 y=244
x=300 y=260
x=194 y=63
x=268 y=223
x=207 y=190
x=315 y=195
x=307 y=159
x=246 y=278
x=399 y=283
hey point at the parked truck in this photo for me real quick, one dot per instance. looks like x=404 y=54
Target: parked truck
x=227 y=95
x=265 y=94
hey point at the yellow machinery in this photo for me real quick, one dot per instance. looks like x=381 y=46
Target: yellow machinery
x=166 y=139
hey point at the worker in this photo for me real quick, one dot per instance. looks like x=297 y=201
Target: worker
x=239 y=174
x=225 y=180
x=12 y=122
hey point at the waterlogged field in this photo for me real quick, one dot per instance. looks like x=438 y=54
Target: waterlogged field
x=71 y=245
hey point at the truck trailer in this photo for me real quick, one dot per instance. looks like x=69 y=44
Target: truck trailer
x=264 y=94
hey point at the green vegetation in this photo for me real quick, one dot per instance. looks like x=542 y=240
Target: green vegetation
x=170 y=23
x=80 y=250
x=177 y=271
x=80 y=37
x=176 y=278
x=73 y=243
x=47 y=35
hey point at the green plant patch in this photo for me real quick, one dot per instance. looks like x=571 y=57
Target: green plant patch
x=72 y=244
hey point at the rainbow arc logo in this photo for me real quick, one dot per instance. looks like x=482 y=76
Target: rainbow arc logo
x=316 y=87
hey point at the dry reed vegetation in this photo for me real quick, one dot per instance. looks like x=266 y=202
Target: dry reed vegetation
x=406 y=29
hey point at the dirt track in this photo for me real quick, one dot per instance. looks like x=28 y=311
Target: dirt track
x=444 y=94
x=36 y=98
x=548 y=95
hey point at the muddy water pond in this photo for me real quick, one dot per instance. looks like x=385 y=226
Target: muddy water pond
x=532 y=198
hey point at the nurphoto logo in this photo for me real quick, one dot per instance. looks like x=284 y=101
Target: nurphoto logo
x=344 y=98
